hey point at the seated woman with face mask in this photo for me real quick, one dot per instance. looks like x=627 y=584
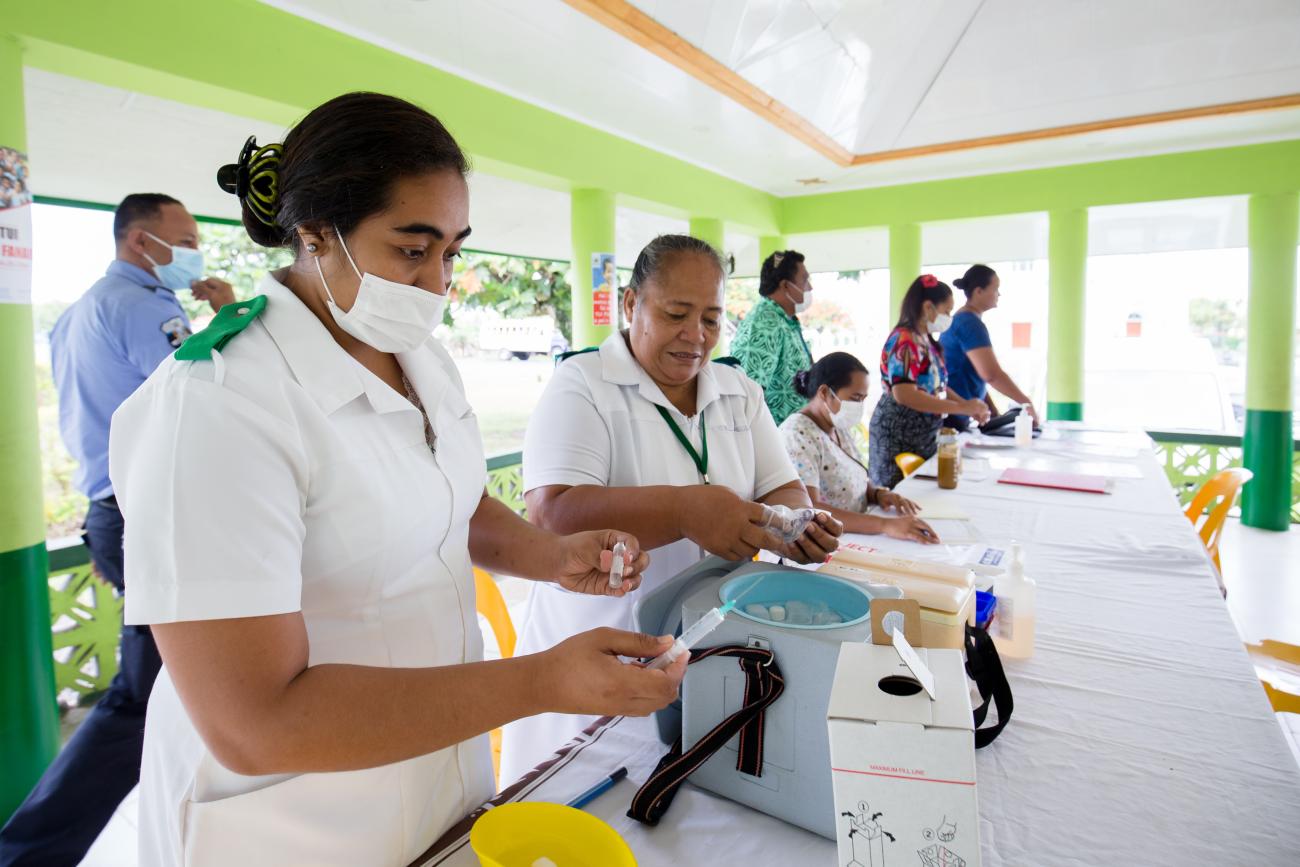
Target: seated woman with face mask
x=648 y=435
x=823 y=452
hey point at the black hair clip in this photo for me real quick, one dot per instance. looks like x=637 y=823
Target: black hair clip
x=255 y=179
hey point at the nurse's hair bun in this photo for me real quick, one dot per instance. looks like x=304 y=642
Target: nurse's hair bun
x=338 y=165
x=255 y=180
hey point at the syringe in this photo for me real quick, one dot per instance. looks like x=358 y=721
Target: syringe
x=616 y=566
x=692 y=636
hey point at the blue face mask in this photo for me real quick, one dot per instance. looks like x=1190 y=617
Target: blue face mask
x=185 y=267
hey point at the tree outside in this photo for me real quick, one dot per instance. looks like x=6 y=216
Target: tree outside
x=515 y=288
x=1220 y=321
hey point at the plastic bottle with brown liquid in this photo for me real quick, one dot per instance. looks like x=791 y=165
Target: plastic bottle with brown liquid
x=949 y=458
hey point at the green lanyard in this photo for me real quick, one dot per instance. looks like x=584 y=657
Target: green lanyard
x=701 y=461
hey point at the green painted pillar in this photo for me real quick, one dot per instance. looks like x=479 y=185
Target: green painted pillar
x=592 y=226
x=711 y=230
x=29 y=719
x=1067 y=266
x=1267 y=447
x=767 y=245
x=904 y=264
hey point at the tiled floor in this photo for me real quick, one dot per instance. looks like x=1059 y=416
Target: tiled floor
x=1261 y=570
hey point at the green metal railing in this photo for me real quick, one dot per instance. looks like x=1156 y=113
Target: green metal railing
x=1191 y=459
x=506 y=479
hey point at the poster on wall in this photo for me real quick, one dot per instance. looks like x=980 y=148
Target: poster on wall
x=15 y=229
x=604 y=285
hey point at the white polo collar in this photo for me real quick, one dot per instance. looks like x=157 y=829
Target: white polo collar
x=331 y=376
x=618 y=366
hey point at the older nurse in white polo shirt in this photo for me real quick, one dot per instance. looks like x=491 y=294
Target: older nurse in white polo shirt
x=646 y=434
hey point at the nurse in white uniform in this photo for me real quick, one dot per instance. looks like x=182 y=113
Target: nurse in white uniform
x=303 y=490
x=647 y=434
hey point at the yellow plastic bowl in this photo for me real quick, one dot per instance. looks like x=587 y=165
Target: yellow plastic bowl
x=516 y=835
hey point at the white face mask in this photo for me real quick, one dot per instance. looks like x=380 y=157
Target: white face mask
x=801 y=306
x=940 y=324
x=849 y=414
x=391 y=317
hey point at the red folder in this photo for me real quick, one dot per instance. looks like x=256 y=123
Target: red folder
x=1057 y=481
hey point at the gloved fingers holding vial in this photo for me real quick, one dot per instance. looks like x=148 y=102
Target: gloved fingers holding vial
x=805 y=535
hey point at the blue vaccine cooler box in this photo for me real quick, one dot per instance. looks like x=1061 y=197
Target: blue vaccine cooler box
x=795 y=784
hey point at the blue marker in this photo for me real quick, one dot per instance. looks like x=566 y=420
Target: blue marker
x=597 y=790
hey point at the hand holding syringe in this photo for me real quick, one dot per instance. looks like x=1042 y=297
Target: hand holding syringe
x=692 y=636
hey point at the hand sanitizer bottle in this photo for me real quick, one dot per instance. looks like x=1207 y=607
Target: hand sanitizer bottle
x=1013 y=624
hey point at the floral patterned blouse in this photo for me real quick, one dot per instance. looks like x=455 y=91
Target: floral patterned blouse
x=837 y=473
x=904 y=359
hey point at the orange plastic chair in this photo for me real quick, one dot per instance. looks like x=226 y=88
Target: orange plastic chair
x=1223 y=488
x=492 y=605
x=908 y=462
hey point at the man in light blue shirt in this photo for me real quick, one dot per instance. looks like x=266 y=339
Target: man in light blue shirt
x=101 y=349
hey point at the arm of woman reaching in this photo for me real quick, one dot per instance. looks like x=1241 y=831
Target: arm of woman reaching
x=712 y=516
x=907 y=527
x=262 y=708
x=986 y=365
x=912 y=397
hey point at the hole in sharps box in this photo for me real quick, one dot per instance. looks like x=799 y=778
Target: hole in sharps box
x=899 y=684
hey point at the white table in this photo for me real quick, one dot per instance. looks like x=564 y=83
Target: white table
x=1140 y=736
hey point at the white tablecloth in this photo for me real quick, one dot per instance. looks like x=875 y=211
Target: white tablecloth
x=1141 y=735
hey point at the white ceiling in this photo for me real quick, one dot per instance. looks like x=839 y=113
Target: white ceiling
x=873 y=74
x=146 y=144
x=987 y=67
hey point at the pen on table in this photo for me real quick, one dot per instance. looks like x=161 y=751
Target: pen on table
x=595 y=791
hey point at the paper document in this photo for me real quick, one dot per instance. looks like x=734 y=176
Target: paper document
x=939 y=508
x=954 y=532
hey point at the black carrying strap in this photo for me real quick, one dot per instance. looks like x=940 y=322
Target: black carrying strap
x=985 y=668
x=763 y=685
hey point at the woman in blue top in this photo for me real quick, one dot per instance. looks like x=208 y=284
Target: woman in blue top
x=972 y=366
x=916 y=394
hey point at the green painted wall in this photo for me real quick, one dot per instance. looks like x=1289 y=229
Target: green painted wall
x=29 y=721
x=1067 y=268
x=591 y=214
x=1221 y=172
x=282 y=65
x=904 y=263
x=1274 y=230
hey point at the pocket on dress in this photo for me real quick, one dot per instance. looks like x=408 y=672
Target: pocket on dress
x=346 y=818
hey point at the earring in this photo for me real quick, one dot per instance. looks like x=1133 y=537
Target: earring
x=311 y=248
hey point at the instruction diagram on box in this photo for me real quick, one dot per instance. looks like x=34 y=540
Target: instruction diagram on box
x=937 y=854
x=866 y=837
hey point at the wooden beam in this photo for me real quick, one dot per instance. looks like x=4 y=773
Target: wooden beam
x=1271 y=103
x=628 y=21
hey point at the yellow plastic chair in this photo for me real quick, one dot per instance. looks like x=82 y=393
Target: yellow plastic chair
x=1223 y=488
x=908 y=462
x=1278 y=666
x=492 y=605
